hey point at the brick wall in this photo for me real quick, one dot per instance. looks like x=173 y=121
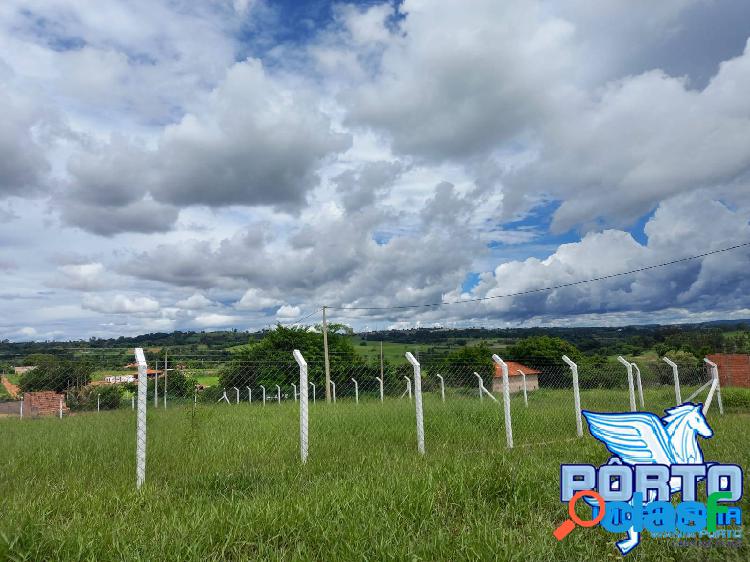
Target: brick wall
x=44 y=403
x=734 y=369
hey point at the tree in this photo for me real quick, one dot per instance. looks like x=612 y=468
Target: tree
x=543 y=350
x=52 y=373
x=269 y=361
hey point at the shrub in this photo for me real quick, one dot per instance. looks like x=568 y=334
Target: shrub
x=84 y=398
x=52 y=373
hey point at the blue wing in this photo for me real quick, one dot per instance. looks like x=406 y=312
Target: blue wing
x=636 y=438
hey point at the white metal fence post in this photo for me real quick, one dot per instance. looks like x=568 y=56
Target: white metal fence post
x=156 y=384
x=380 y=380
x=20 y=411
x=418 y=400
x=97 y=403
x=140 y=451
x=481 y=384
x=263 y=388
x=715 y=385
x=237 y=394
x=356 y=390
x=333 y=386
x=408 y=387
x=576 y=394
x=249 y=395
x=631 y=387
x=303 y=434
x=278 y=394
x=676 y=377
x=525 y=396
x=638 y=382
x=506 y=401
x=442 y=388
x=294 y=387
x=312 y=384
x=61 y=407
x=166 y=376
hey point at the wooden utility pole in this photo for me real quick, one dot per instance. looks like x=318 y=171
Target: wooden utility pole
x=325 y=357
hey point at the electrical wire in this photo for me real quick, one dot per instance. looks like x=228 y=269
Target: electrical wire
x=543 y=289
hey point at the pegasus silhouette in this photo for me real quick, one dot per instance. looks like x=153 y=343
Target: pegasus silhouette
x=645 y=438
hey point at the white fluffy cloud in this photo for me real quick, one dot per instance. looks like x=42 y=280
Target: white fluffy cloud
x=120 y=304
x=393 y=156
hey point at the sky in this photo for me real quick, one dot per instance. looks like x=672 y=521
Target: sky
x=220 y=164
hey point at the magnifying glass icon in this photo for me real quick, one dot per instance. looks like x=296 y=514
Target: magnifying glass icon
x=563 y=530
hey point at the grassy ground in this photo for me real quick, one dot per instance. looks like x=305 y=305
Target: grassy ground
x=225 y=483
x=394 y=352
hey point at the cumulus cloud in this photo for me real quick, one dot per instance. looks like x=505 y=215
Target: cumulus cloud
x=196 y=301
x=287 y=311
x=120 y=304
x=640 y=140
x=215 y=320
x=253 y=299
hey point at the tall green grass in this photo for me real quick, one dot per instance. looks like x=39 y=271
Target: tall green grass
x=225 y=483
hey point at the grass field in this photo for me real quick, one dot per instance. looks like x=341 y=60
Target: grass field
x=394 y=352
x=225 y=483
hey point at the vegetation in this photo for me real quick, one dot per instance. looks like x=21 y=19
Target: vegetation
x=225 y=483
x=55 y=373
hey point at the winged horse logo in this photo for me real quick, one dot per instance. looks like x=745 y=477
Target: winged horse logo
x=645 y=438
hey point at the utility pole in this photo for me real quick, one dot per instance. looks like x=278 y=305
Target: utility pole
x=325 y=357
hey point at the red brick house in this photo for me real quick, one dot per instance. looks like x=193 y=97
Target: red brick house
x=515 y=380
x=734 y=368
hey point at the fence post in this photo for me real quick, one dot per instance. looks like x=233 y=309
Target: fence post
x=156 y=383
x=525 y=396
x=97 y=403
x=263 y=388
x=506 y=400
x=631 y=389
x=442 y=388
x=333 y=387
x=356 y=390
x=716 y=384
x=481 y=384
x=408 y=387
x=676 y=377
x=61 y=407
x=312 y=384
x=576 y=394
x=302 y=404
x=418 y=400
x=166 y=376
x=380 y=379
x=278 y=394
x=140 y=447
x=237 y=394
x=638 y=382
x=294 y=391
x=20 y=411
x=249 y=395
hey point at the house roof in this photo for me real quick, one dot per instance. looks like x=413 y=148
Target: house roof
x=513 y=368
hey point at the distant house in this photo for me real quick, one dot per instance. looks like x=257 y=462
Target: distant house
x=515 y=380
x=22 y=370
x=734 y=368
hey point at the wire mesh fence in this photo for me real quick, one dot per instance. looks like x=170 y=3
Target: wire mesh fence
x=357 y=407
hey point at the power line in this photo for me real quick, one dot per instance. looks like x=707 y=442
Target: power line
x=302 y=319
x=540 y=290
